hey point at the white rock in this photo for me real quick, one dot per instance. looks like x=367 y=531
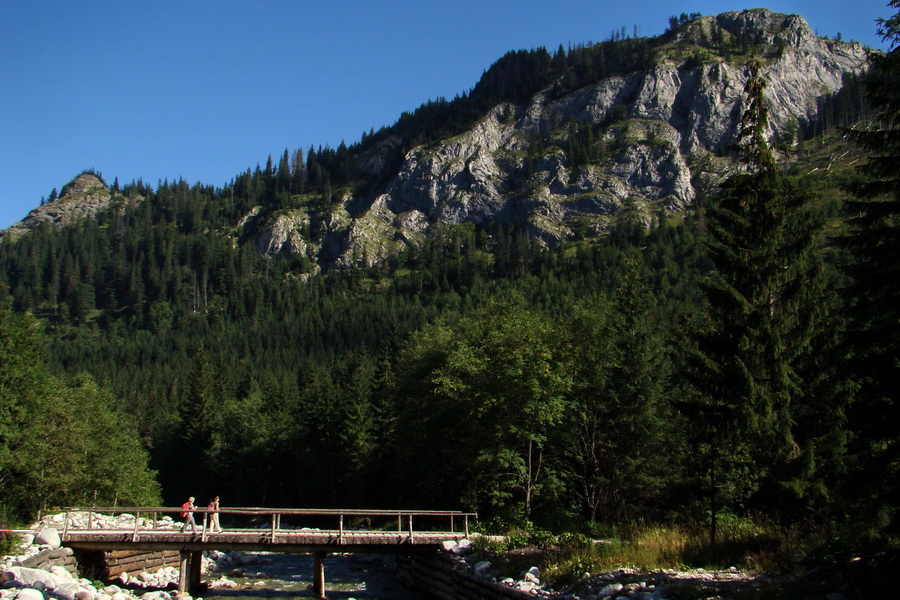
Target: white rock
x=462 y=547
x=29 y=594
x=48 y=537
x=609 y=590
x=61 y=572
x=525 y=586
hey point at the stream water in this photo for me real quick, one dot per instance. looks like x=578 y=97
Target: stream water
x=283 y=576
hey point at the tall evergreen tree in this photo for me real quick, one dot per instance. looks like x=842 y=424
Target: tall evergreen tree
x=765 y=312
x=874 y=296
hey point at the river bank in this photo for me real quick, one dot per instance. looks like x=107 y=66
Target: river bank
x=254 y=576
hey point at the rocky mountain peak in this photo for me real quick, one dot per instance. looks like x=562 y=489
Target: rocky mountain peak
x=86 y=183
x=762 y=26
x=81 y=198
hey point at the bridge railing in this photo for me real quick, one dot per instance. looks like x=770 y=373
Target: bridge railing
x=275 y=520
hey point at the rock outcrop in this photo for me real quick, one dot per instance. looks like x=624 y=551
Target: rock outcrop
x=663 y=130
x=81 y=198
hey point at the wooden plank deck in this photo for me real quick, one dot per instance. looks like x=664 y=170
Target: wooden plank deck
x=304 y=541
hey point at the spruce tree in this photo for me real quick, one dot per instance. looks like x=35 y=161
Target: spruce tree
x=874 y=296
x=765 y=313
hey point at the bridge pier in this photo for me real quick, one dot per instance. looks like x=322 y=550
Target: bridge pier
x=184 y=572
x=189 y=572
x=319 y=575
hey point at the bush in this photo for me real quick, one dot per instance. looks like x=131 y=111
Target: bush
x=10 y=543
x=485 y=547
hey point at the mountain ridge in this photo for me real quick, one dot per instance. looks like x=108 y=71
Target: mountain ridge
x=566 y=158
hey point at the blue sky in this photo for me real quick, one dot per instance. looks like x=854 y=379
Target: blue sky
x=204 y=90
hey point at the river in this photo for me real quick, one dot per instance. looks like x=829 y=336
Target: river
x=283 y=576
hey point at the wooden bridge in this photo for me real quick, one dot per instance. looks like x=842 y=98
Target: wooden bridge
x=264 y=530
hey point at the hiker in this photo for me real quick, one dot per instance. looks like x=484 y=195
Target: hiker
x=187 y=513
x=213 y=510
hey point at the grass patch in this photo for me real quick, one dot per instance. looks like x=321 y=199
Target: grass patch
x=748 y=544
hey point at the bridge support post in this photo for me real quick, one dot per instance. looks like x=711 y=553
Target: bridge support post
x=196 y=572
x=184 y=572
x=319 y=576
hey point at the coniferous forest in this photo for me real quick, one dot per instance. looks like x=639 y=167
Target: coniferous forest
x=738 y=366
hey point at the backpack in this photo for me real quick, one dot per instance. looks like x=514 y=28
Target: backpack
x=185 y=508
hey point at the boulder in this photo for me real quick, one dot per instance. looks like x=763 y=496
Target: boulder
x=48 y=537
x=609 y=590
x=61 y=572
x=462 y=547
x=482 y=567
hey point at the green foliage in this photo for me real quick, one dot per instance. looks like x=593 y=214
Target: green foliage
x=769 y=311
x=10 y=543
x=64 y=443
x=872 y=309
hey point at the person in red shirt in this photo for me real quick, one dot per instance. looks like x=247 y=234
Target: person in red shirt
x=187 y=513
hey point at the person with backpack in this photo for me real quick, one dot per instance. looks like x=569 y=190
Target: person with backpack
x=187 y=513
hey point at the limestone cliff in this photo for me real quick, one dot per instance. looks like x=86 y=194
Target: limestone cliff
x=661 y=132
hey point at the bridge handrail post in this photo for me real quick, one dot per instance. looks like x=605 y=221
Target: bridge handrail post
x=137 y=519
x=467 y=525
x=399 y=523
x=410 y=527
x=205 y=526
x=66 y=528
x=274 y=520
x=451 y=523
x=341 y=528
